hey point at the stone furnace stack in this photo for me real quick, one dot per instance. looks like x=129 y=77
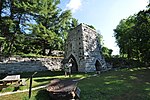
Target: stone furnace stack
x=83 y=49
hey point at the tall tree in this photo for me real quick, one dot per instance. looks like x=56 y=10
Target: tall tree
x=42 y=19
x=12 y=18
x=123 y=34
x=133 y=36
x=51 y=24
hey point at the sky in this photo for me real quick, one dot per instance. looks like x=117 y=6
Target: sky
x=104 y=15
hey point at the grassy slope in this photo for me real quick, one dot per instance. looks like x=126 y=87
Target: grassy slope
x=125 y=84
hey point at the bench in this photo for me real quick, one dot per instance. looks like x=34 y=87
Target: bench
x=11 y=79
x=63 y=89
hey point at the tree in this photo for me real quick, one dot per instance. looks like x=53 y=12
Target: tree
x=1 y=43
x=106 y=52
x=123 y=34
x=142 y=33
x=51 y=25
x=133 y=36
x=12 y=18
x=39 y=20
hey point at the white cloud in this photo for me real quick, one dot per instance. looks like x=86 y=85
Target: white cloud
x=74 y=5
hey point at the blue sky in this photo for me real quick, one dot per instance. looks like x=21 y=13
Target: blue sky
x=104 y=15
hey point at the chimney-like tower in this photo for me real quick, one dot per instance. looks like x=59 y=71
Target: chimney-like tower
x=83 y=48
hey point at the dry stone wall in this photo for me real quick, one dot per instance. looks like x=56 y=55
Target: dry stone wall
x=13 y=65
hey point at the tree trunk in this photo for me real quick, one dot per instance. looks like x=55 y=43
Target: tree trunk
x=11 y=45
x=50 y=52
x=1 y=48
x=1 y=4
x=0 y=24
x=43 y=48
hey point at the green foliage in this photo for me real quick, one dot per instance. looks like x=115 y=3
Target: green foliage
x=106 y=52
x=133 y=36
x=2 y=38
x=91 y=26
x=100 y=39
x=32 y=26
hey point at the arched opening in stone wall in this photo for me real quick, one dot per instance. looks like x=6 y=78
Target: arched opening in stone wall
x=74 y=67
x=98 y=65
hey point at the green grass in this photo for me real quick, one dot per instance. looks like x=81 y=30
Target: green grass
x=39 y=79
x=36 y=95
x=123 y=84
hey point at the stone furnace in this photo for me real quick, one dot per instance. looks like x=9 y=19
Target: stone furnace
x=83 y=49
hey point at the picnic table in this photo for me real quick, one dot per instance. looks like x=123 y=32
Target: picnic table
x=63 y=89
x=11 y=79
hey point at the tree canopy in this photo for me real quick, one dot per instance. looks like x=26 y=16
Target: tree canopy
x=33 y=26
x=133 y=36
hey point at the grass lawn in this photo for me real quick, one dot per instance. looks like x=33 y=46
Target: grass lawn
x=123 y=84
x=40 y=79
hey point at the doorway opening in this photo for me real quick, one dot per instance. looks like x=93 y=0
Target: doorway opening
x=74 y=67
x=98 y=65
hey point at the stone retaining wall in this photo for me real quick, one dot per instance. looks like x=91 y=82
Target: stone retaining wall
x=13 y=65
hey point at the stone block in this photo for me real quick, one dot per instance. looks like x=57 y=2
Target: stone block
x=30 y=64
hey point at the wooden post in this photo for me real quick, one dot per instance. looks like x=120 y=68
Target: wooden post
x=30 y=88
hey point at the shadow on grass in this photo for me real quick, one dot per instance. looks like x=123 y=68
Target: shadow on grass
x=41 y=74
x=43 y=80
x=124 y=84
x=3 y=86
x=43 y=95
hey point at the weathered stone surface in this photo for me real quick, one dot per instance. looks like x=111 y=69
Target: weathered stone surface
x=82 y=46
x=18 y=64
